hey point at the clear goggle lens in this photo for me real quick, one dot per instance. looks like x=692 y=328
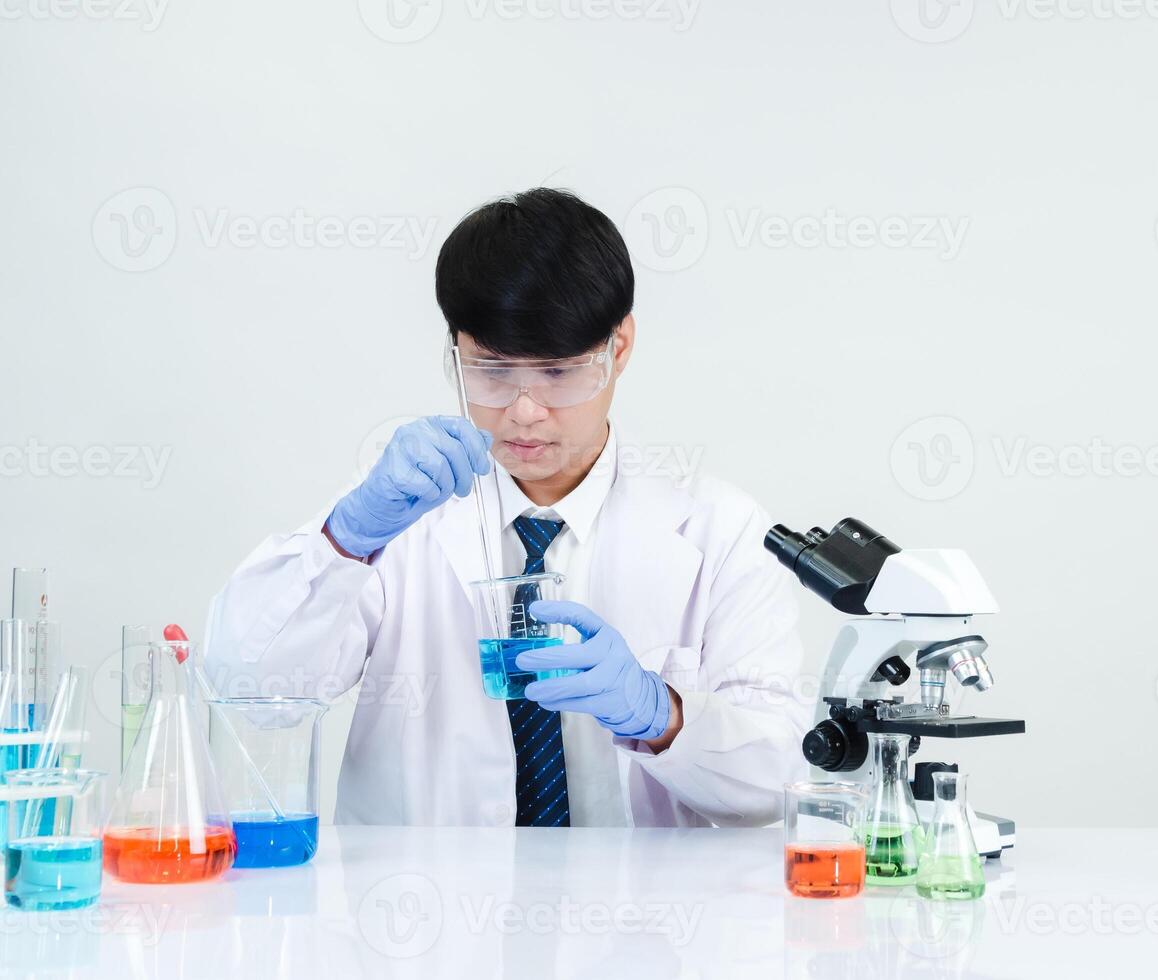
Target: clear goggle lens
x=551 y=382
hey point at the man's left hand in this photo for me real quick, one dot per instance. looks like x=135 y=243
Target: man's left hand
x=611 y=686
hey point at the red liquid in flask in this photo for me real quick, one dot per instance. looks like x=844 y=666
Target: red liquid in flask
x=824 y=870
x=136 y=854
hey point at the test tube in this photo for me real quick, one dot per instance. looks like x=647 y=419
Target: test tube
x=64 y=728
x=135 y=684
x=46 y=656
x=30 y=594
x=16 y=661
x=41 y=643
x=9 y=754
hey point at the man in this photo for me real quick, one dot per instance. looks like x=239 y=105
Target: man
x=679 y=712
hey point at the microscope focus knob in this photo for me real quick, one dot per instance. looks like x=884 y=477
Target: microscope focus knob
x=835 y=746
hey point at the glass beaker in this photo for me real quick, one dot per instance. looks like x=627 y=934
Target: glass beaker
x=891 y=829
x=823 y=857
x=168 y=822
x=266 y=753
x=52 y=857
x=506 y=629
x=950 y=867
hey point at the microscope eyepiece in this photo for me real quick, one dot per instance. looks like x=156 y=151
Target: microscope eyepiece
x=840 y=565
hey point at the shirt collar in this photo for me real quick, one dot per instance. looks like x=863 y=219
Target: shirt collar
x=579 y=508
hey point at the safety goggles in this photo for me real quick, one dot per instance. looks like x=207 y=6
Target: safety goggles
x=554 y=382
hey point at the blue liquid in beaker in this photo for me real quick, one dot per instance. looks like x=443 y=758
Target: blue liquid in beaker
x=501 y=678
x=264 y=841
x=48 y=873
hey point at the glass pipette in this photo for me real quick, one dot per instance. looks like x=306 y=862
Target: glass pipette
x=484 y=536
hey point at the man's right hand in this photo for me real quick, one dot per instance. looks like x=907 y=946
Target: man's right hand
x=424 y=463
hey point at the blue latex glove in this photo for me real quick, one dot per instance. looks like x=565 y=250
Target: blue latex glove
x=424 y=463
x=623 y=697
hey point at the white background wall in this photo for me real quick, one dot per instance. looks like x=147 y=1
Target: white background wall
x=796 y=363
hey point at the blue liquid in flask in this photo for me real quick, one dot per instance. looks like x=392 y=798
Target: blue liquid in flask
x=265 y=841
x=48 y=873
x=501 y=678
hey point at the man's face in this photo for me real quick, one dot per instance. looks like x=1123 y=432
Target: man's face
x=534 y=443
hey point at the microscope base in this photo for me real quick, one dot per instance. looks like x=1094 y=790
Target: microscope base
x=991 y=834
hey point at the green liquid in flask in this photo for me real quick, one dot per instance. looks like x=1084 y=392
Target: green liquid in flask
x=953 y=877
x=891 y=854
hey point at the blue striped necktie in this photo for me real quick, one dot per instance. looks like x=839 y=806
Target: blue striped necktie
x=540 y=767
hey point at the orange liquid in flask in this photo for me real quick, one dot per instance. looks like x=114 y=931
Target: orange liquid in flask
x=824 y=870
x=136 y=854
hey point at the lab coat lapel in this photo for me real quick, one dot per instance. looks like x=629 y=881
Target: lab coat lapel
x=458 y=535
x=643 y=569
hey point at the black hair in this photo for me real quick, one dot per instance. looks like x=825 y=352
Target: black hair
x=538 y=274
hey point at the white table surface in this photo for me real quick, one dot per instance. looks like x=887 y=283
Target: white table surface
x=470 y=903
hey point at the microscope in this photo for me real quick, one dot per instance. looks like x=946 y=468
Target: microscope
x=914 y=607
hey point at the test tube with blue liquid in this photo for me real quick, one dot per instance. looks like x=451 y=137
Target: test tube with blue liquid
x=41 y=642
x=19 y=667
x=265 y=751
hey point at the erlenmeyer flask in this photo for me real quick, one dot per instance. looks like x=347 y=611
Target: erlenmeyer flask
x=891 y=828
x=168 y=822
x=950 y=867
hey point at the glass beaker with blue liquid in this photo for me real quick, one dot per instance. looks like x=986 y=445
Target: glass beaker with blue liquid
x=506 y=629
x=52 y=858
x=265 y=751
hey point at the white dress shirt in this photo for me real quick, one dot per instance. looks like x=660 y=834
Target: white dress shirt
x=594 y=793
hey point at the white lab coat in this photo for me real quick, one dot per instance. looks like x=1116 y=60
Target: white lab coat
x=680 y=571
